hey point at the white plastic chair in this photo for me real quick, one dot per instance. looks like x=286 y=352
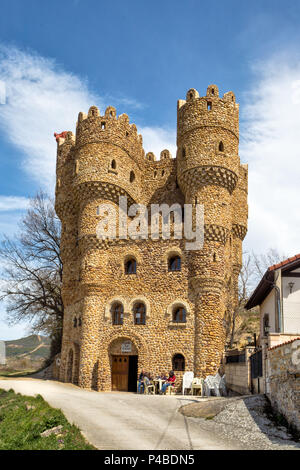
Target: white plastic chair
x=187 y=381
x=197 y=384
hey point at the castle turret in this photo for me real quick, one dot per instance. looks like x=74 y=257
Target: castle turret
x=208 y=168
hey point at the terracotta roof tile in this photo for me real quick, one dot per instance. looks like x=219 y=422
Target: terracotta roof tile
x=283 y=344
x=283 y=263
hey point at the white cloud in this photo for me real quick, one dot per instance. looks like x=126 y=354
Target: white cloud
x=13 y=203
x=156 y=139
x=270 y=132
x=11 y=210
x=41 y=98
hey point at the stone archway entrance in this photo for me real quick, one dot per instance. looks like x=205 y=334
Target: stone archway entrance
x=124 y=365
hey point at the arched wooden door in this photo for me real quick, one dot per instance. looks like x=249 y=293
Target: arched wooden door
x=120 y=367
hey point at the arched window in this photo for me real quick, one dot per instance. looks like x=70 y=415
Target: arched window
x=130 y=266
x=178 y=362
x=183 y=152
x=175 y=263
x=221 y=147
x=179 y=315
x=139 y=312
x=117 y=314
x=132 y=177
x=113 y=164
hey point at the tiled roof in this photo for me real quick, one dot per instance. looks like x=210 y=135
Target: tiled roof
x=265 y=285
x=284 y=263
x=283 y=344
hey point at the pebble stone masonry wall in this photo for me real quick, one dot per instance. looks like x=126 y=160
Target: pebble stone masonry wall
x=106 y=160
x=284 y=380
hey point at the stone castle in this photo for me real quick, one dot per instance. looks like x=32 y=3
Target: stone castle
x=151 y=304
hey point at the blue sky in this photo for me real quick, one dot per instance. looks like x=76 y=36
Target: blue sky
x=59 y=58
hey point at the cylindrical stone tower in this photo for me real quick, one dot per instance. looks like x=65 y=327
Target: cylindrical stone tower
x=208 y=168
x=107 y=162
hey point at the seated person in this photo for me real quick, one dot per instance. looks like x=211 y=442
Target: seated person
x=147 y=378
x=170 y=382
x=162 y=376
x=141 y=381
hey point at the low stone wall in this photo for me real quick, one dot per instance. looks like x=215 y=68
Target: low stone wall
x=284 y=380
x=238 y=374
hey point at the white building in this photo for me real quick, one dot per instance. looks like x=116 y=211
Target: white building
x=278 y=296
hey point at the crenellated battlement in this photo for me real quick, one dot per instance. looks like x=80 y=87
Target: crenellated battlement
x=212 y=92
x=107 y=150
x=165 y=156
x=117 y=130
x=208 y=111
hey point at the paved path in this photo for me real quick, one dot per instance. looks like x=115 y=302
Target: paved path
x=126 y=420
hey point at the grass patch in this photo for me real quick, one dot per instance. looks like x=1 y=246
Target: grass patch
x=23 y=419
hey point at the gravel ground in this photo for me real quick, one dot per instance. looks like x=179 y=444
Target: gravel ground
x=244 y=420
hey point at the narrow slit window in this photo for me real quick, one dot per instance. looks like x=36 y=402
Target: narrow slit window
x=130 y=266
x=132 y=177
x=175 y=263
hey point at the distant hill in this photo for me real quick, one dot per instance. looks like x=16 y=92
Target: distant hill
x=29 y=352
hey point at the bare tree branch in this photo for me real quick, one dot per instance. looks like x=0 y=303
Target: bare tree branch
x=253 y=269
x=32 y=269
